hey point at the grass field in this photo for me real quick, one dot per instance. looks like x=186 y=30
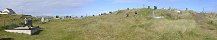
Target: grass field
x=116 y=26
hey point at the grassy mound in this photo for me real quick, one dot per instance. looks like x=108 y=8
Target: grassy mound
x=116 y=26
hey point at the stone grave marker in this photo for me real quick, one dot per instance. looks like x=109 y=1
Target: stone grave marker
x=28 y=22
x=149 y=7
x=136 y=12
x=155 y=7
x=128 y=8
x=127 y=15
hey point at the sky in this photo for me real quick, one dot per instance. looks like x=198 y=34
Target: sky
x=94 y=7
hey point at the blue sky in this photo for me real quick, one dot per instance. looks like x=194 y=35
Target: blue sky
x=91 y=7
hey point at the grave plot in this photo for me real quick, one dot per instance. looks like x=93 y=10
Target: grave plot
x=28 y=28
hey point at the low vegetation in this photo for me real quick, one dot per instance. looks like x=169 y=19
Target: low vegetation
x=188 y=25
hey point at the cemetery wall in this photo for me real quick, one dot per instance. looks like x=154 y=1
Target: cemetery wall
x=20 y=31
x=30 y=32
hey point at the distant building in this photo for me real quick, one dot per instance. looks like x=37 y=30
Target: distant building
x=7 y=11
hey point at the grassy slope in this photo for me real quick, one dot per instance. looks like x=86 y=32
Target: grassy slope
x=8 y=20
x=117 y=26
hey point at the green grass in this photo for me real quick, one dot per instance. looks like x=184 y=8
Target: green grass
x=117 y=26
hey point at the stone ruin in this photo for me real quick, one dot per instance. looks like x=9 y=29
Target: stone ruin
x=28 y=28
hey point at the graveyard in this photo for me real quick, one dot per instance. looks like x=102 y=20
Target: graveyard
x=127 y=24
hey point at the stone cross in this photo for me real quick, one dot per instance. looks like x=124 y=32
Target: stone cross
x=42 y=19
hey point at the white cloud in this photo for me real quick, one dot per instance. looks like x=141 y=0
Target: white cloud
x=42 y=6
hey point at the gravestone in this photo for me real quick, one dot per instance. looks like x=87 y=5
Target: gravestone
x=46 y=20
x=127 y=15
x=186 y=9
x=149 y=7
x=155 y=7
x=26 y=29
x=76 y=16
x=110 y=12
x=128 y=8
x=42 y=20
x=28 y=22
x=169 y=8
x=179 y=12
x=67 y=16
x=155 y=16
x=70 y=16
x=104 y=14
x=136 y=12
x=99 y=14
x=57 y=17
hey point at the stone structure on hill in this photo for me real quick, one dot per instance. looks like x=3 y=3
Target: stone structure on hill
x=7 y=11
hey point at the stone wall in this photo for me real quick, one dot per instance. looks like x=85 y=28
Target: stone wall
x=20 y=31
x=30 y=32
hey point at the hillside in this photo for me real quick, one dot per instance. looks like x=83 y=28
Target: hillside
x=141 y=26
x=11 y=21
